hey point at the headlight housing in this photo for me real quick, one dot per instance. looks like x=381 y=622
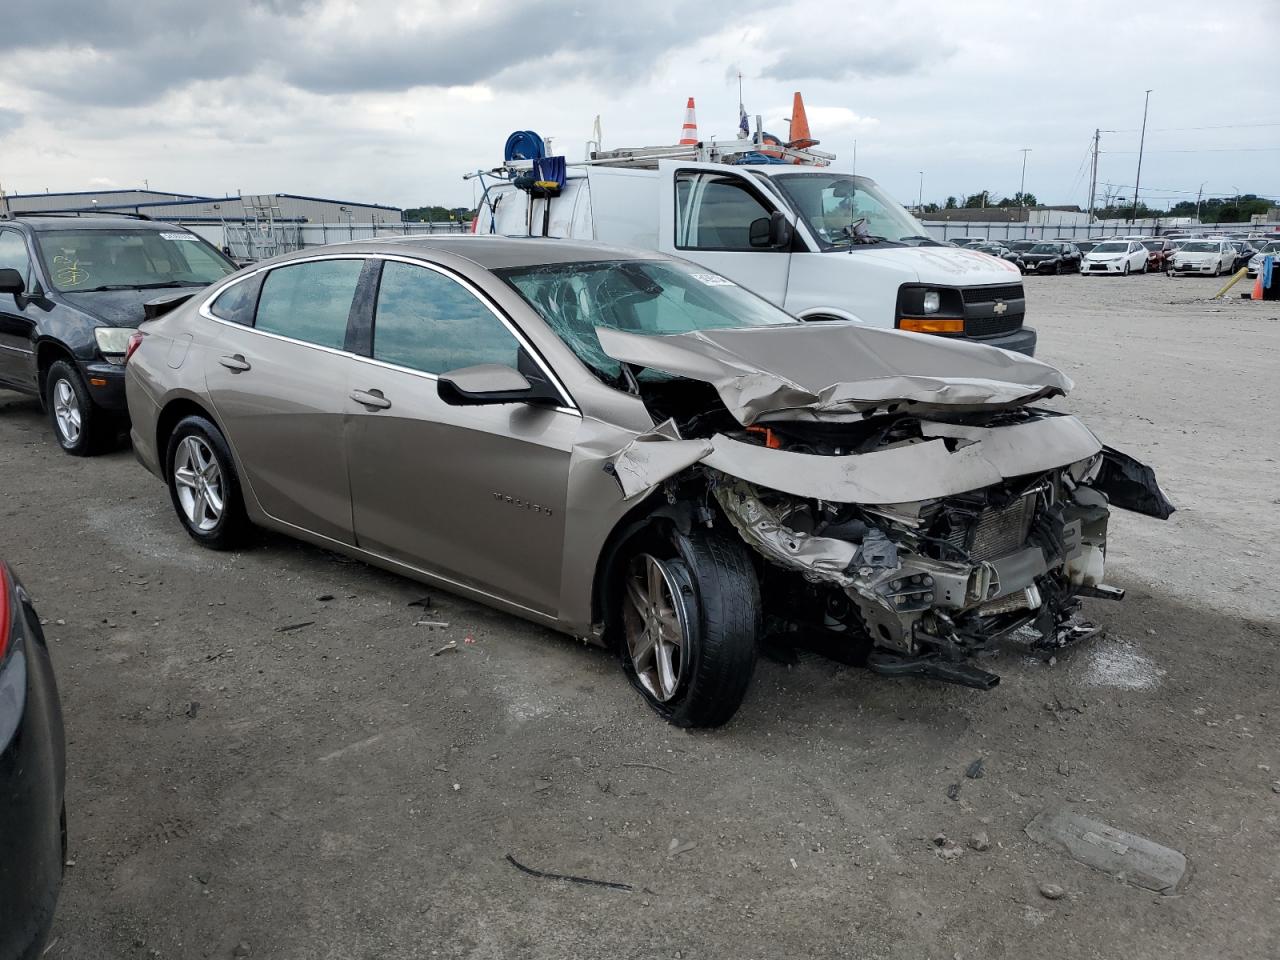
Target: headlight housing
x=932 y=301
x=113 y=341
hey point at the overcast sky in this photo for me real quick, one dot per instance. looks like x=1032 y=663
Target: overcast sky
x=393 y=102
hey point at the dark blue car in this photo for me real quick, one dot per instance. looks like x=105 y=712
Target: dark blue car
x=33 y=834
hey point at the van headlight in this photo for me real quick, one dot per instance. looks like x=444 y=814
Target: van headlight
x=932 y=301
x=113 y=341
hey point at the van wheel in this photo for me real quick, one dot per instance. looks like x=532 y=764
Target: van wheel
x=203 y=485
x=81 y=427
x=690 y=618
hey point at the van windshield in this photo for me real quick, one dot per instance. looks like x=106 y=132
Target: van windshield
x=833 y=204
x=98 y=259
x=635 y=296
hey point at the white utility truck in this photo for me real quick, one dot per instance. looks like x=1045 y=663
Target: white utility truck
x=774 y=218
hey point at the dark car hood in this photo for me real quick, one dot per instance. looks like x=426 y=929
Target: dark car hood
x=1041 y=256
x=120 y=308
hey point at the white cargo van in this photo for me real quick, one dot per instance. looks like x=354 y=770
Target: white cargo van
x=820 y=244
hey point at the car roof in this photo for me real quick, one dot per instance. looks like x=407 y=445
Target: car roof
x=498 y=252
x=53 y=222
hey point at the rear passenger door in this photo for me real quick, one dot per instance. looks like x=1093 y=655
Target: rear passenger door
x=472 y=494
x=276 y=369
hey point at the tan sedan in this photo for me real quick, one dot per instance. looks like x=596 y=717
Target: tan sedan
x=632 y=450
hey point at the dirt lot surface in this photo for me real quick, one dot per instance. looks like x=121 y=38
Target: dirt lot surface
x=336 y=791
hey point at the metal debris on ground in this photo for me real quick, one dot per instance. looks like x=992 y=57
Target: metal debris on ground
x=974 y=771
x=647 y=766
x=451 y=646
x=432 y=624
x=423 y=602
x=1129 y=857
x=289 y=627
x=676 y=847
x=567 y=877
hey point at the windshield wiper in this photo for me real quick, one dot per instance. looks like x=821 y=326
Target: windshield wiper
x=141 y=286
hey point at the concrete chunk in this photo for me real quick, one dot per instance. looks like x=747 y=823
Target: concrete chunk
x=1129 y=857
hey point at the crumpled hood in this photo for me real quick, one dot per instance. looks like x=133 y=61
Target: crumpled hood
x=838 y=371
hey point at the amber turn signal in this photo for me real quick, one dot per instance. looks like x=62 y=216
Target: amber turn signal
x=931 y=325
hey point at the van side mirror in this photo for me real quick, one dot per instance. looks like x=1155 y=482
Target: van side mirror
x=11 y=281
x=771 y=232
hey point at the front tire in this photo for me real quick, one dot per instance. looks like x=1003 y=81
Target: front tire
x=689 y=623
x=1125 y=271
x=203 y=485
x=81 y=427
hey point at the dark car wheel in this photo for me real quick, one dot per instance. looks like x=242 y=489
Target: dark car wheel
x=203 y=485
x=80 y=426
x=1057 y=268
x=690 y=618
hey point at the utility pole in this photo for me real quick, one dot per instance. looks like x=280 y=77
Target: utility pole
x=1199 y=194
x=1137 y=180
x=1022 y=186
x=1093 y=173
x=855 y=158
x=920 y=195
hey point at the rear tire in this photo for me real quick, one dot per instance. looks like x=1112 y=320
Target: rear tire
x=203 y=485
x=705 y=586
x=81 y=427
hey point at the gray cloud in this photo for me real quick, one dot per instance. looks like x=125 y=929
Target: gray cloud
x=139 y=51
x=855 y=61
x=10 y=120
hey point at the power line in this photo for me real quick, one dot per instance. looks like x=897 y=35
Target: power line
x=1204 y=150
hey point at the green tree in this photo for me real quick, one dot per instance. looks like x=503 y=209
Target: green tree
x=981 y=199
x=951 y=203
x=1019 y=200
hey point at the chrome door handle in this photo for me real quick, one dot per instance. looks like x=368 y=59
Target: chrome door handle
x=371 y=398
x=236 y=364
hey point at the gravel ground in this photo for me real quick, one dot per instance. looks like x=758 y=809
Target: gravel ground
x=335 y=791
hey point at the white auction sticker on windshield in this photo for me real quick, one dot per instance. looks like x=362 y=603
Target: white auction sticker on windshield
x=179 y=236
x=713 y=280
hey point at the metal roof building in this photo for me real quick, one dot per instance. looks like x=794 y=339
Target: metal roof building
x=195 y=209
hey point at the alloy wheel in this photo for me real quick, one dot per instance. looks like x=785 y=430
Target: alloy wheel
x=66 y=412
x=656 y=626
x=197 y=478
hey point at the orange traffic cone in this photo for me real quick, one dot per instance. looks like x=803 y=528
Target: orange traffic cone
x=689 y=132
x=1257 y=287
x=799 y=137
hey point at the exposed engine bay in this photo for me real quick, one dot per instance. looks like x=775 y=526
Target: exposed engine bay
x=907 y=531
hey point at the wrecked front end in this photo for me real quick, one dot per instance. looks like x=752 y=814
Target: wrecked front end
x=922 y=586
x=900 y=531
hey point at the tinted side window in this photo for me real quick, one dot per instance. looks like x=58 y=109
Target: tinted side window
x=309 y=301
x=715 y=213
x=236 y=303
x=13 y=253
x=427 y=321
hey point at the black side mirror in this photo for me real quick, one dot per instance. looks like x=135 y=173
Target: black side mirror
x=771 y=232
x=493 y=383
x=11 y=281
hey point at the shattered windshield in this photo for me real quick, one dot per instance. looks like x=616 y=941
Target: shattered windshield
x=833 y=203
x=84 y=260
x=635 y=296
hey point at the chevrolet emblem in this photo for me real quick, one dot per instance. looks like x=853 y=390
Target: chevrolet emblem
x=1000 y=308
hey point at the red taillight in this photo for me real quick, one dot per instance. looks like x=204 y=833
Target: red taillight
x=5 y=587
x=135 y=341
